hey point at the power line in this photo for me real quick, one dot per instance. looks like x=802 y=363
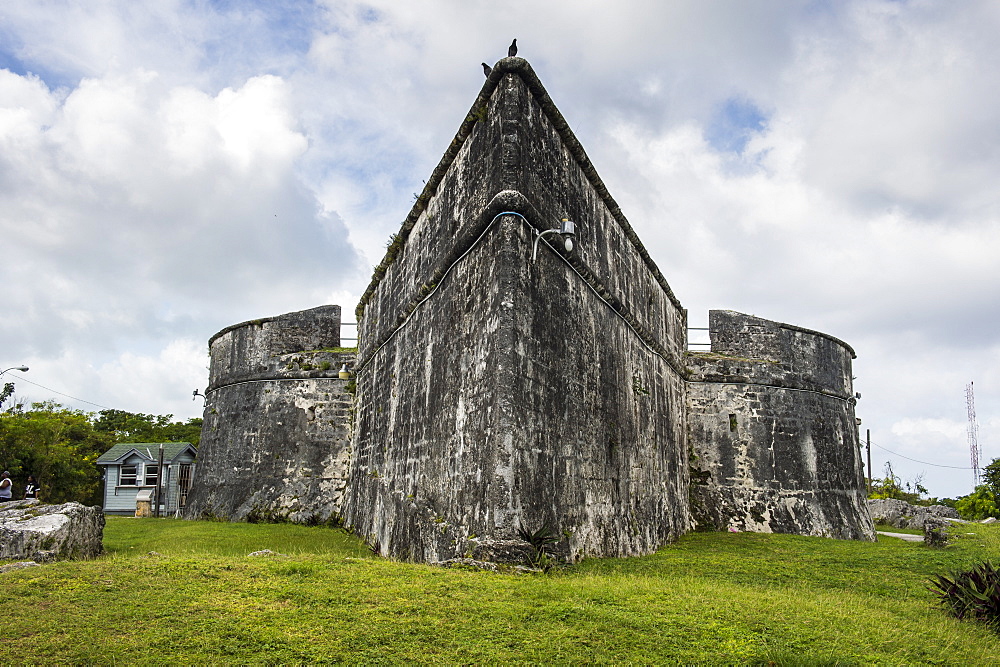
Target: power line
x=936 y=465
x=21 y=379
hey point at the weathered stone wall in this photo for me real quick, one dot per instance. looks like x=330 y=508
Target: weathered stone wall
x=519 y=394
x=772 y=430
x=276 y=436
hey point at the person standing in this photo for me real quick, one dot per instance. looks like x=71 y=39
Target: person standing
x=31 y=488
x=6 y=487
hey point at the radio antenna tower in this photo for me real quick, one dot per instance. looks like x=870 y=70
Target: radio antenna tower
x=970 y=401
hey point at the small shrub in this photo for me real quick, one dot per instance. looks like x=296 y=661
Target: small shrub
x=972 y=594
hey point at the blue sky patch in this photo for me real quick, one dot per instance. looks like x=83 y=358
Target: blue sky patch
x=281 y=26
x=10 y=60
x=733 y=124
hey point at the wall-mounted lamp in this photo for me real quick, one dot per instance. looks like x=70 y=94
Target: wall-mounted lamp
x=195 y=394
x=567 y=230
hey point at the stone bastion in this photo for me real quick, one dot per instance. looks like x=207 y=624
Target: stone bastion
x=275 y=440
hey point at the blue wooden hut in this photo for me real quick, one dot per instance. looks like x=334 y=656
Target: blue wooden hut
x=131 y=467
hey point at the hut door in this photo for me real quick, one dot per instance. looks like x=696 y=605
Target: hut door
x=184 y=483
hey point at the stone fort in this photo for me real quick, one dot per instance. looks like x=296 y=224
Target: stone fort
x=514 y=370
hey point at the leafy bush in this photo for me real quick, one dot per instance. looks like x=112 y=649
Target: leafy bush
x=972 y=594
x=978 y=505
x=983 y=502
x=891 y=486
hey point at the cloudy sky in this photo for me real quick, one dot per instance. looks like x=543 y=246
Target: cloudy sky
x=170 y=168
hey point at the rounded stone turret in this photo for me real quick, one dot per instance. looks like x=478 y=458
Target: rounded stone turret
x=275 y=440
x=772 y=431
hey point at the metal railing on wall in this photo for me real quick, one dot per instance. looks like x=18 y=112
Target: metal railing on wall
x=349 y=324
x=697 y=345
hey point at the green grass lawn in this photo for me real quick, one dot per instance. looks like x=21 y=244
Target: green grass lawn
x=715 y=598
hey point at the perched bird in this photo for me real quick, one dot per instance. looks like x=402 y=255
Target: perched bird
x=512 y=51
x=487 y=69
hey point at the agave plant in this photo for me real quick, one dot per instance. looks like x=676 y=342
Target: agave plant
x=972 y=594
x=538 y=540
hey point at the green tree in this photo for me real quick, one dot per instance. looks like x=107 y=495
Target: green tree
x=6 y=392
x=58 y=446
x=139 y=427
x=983 y=502
x=978 y=505
x=991 y=476
x=891 y=486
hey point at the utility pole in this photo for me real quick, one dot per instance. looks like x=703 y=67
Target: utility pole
x=970 y=402
x=868 y=437
x=159 y=482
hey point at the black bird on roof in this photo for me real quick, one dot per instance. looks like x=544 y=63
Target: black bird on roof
x=487 y=69
x=512 y=51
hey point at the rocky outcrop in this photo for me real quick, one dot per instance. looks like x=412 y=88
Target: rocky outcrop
x=901 y=514
x=31 y=530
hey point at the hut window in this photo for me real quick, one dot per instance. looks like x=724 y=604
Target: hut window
x=128 y=476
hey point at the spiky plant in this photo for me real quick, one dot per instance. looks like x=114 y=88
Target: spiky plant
x=538 y=540
x=972 y=594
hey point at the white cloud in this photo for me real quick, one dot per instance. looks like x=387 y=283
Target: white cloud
x=139 y=213
x=164 y=379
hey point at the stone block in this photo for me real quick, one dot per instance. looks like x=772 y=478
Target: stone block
x=31 y=530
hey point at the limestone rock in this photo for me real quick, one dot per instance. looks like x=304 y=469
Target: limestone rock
x=506 y=381
x=17 y=566
x=901 y=514
x=276 y=440
x=31 y=530
x=935 y=531
x=503 y=384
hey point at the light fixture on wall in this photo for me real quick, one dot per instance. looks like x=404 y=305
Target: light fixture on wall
x=567 y=230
